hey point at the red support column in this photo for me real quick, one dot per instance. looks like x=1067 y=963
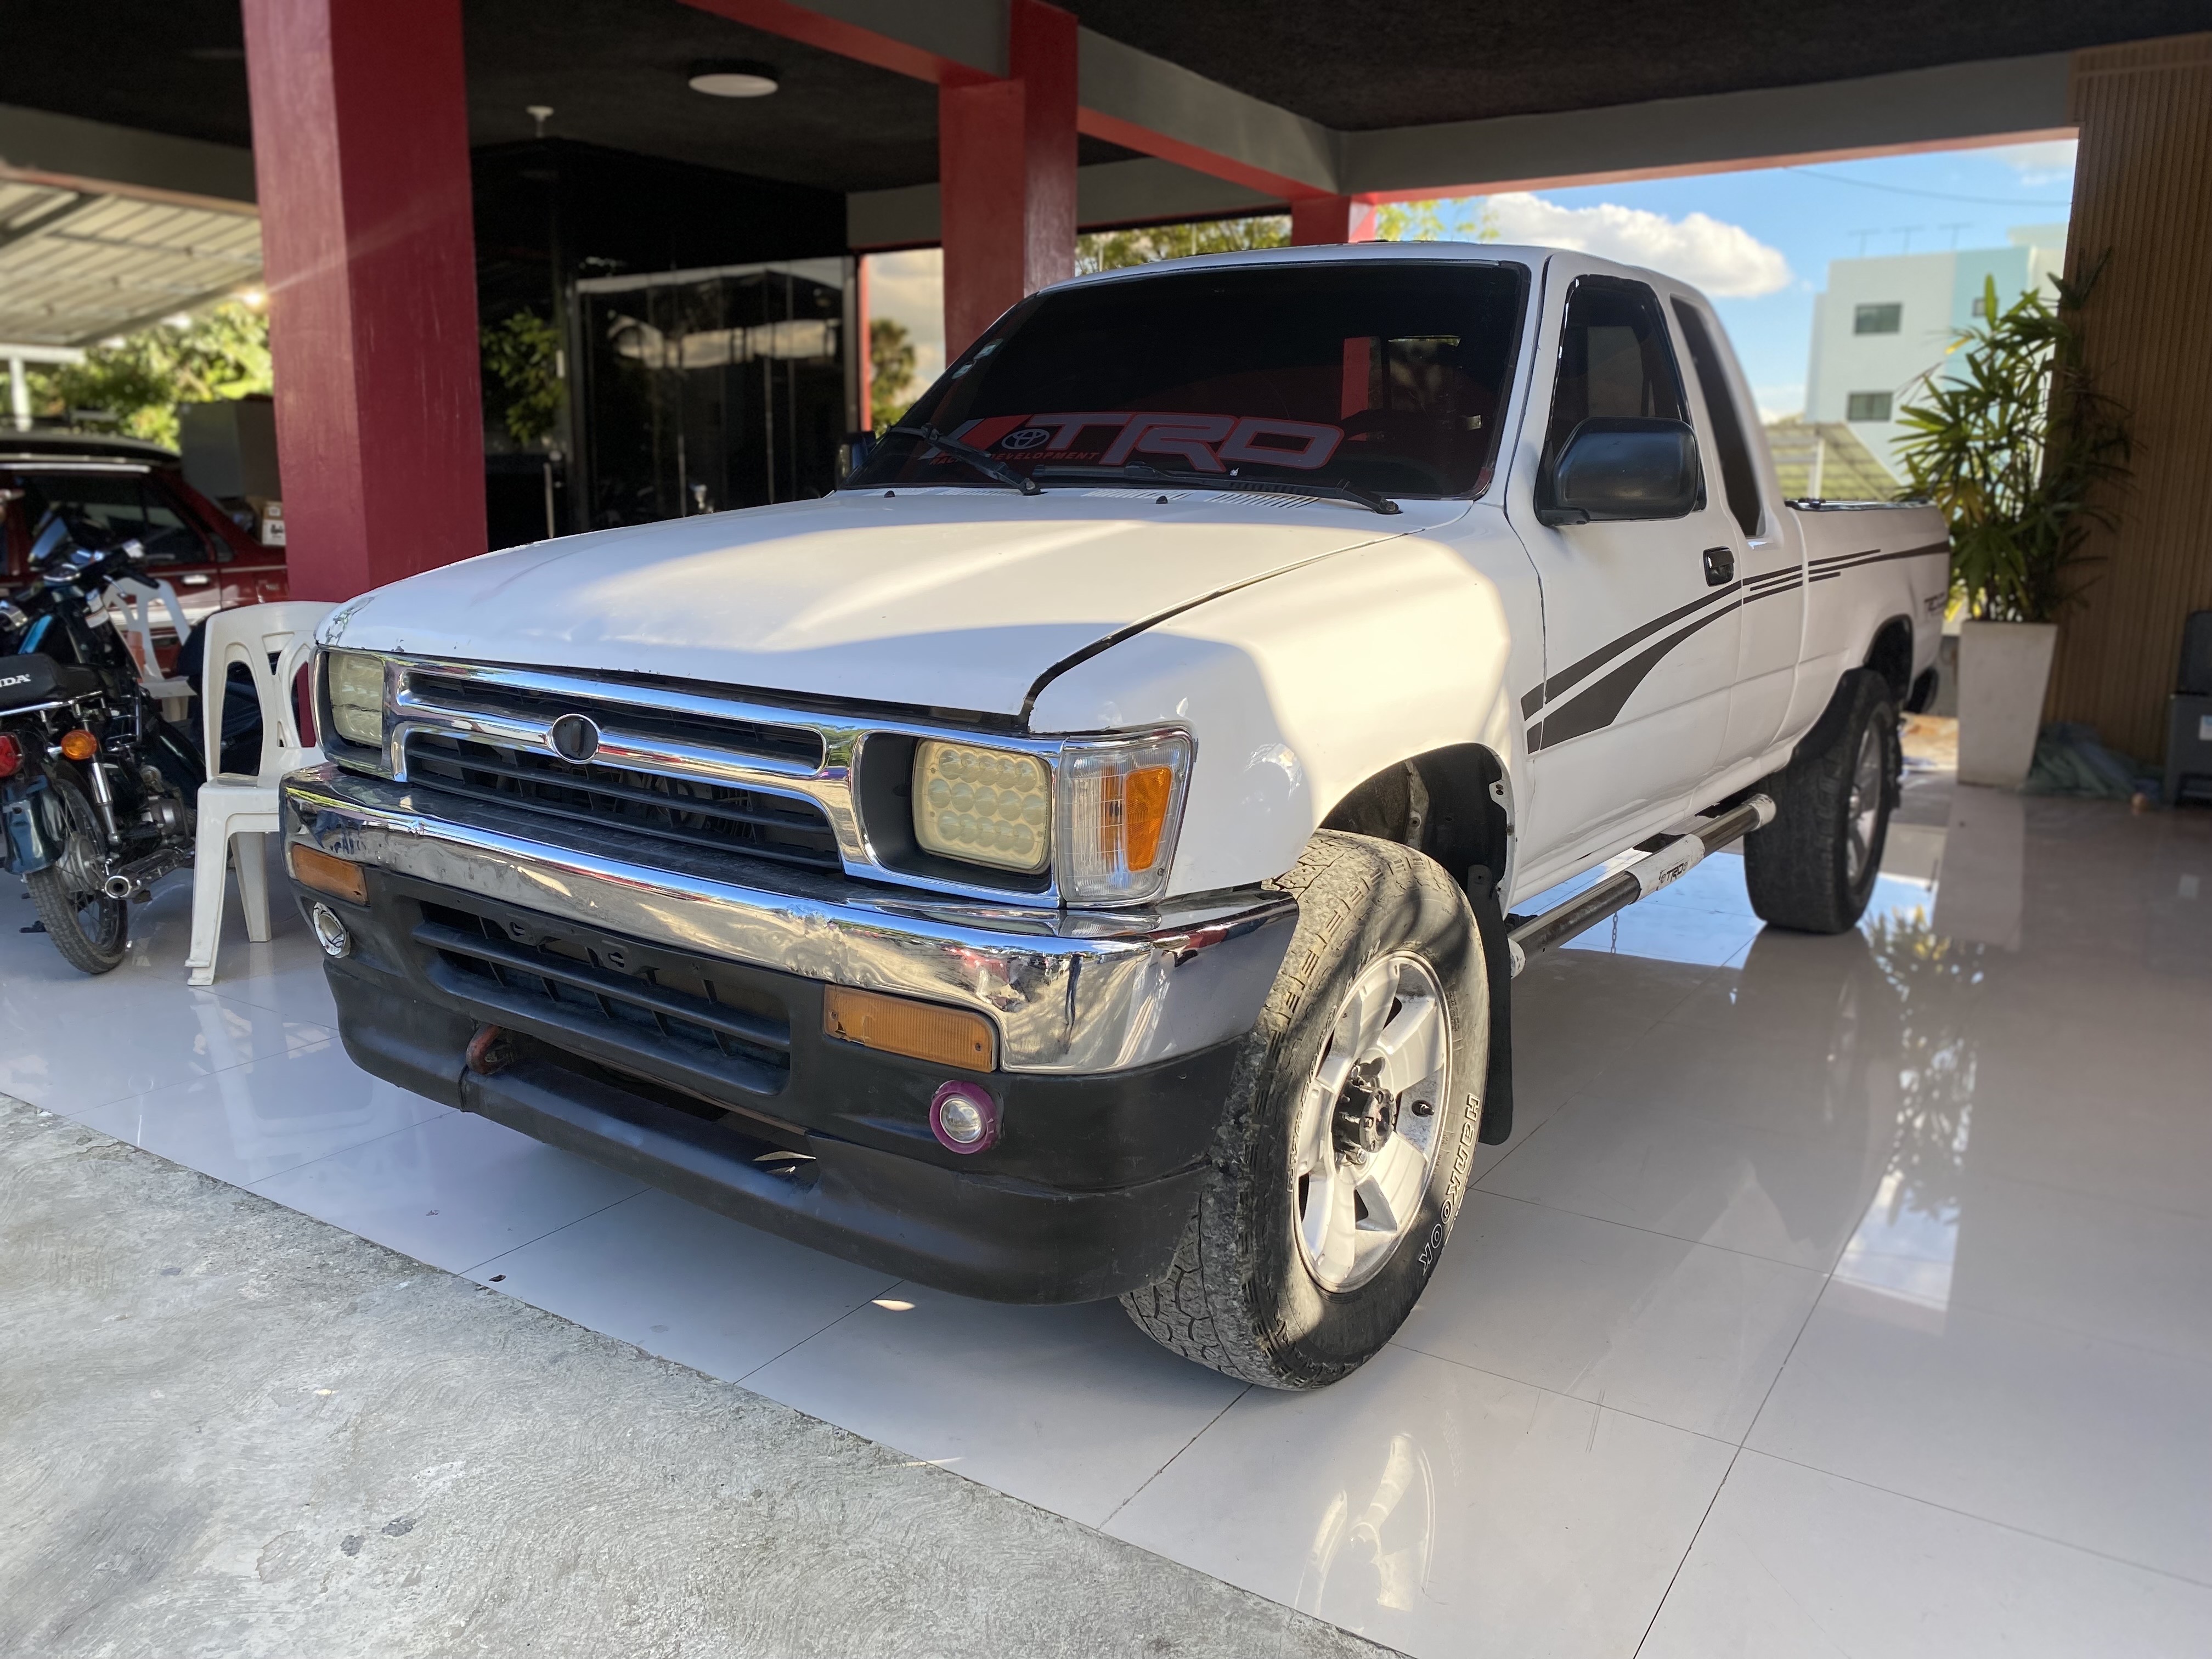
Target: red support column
x=361 y=153
x=1318 y=220
x=1041 y=55
x=1006 y=174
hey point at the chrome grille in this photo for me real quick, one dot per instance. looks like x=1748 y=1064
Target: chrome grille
x=794 y=747
x=689 y=811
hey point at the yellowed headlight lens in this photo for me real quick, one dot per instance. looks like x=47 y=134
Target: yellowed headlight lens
x=982 y=806
x=356 y=691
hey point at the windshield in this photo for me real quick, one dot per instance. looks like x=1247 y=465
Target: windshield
x=1384 y=376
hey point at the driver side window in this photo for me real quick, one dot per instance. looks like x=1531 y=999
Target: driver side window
x=1614 y=359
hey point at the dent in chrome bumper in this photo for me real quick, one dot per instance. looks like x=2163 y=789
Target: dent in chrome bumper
x=1070 y=991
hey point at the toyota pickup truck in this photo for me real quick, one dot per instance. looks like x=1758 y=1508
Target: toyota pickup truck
x=1076 y=859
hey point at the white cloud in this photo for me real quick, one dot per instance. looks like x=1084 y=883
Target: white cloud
x=1779 y=403
x=2049 y=163
x=1708 y=253
x=910 y=288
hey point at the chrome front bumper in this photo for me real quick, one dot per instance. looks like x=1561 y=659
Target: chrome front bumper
x=1070 y=991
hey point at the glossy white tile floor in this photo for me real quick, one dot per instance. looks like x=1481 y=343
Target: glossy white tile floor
x=1833 y=1296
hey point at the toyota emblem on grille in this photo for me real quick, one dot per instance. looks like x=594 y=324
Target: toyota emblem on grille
x=575 y=738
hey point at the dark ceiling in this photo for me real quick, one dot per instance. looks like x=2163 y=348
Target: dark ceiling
x=613 y=69
x=1363 y=63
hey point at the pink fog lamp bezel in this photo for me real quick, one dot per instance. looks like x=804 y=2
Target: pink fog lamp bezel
x=975 y=1096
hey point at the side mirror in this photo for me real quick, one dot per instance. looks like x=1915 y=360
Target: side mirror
x=1617 y=467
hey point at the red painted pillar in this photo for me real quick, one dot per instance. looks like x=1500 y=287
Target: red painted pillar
x=361 y=153
x=1006 y=174
x=1318 y=220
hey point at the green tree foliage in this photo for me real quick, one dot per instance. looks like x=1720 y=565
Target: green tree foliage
x=2019 y=449
x=1449 y=220
x=890 y=372
x=1114 y=250
x=522 y=361
x=139 y=380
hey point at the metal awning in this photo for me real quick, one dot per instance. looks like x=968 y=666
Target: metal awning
x=77 y=267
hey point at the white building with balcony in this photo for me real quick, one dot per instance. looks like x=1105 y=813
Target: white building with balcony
x=1885 y=321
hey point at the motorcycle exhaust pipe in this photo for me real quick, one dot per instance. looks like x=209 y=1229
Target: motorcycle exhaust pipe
x=118 y=887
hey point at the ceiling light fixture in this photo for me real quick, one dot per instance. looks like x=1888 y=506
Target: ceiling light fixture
x=721 y=77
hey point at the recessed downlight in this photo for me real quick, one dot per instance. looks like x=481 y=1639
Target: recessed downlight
x=734 y=78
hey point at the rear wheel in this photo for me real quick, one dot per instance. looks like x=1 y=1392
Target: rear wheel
x=1343 y=1154
x=90 y=930
x=1813 y=867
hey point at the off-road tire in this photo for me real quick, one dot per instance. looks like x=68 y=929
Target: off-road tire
x=1238 y=1297
x=58 y=905
x=1798 y=868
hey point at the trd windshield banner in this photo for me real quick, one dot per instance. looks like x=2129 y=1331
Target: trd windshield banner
x=1196 y=443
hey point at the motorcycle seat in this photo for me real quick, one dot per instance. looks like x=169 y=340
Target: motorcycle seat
x=35 y=678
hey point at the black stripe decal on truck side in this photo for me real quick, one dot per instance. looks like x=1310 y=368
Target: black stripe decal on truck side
x=1568 y=678
x=1597 y=706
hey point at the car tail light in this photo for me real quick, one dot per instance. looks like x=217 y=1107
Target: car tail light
x=11 y=755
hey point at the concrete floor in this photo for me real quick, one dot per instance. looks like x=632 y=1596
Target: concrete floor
x=227 y=1429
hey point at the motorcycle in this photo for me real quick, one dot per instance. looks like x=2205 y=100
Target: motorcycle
x=96 y=789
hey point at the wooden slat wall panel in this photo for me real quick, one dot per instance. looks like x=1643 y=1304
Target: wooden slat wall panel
x=2142 y=188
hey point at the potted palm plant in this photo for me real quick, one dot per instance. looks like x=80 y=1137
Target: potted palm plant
x=2011 y=439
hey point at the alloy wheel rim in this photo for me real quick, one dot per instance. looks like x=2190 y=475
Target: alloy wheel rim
x=1865 y=809
x=1368 y=1127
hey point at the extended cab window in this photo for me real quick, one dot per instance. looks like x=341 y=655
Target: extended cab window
x=1739 y=478
x=1614 y=359
x=1390 y=377
x=124 y=505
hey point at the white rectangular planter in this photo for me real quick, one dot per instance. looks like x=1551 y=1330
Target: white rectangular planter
x=2004 y=671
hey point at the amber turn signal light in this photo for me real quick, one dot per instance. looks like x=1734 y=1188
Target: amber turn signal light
x=900 y=1026
x=328 y=875
x=80 y=744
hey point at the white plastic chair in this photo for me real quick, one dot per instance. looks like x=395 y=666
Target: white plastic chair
x=275 y=641
x=129 y=604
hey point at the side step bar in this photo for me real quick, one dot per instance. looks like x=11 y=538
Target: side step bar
x=1668 y=863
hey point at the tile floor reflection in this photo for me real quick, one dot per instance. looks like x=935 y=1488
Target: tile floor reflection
x=1831 y=1294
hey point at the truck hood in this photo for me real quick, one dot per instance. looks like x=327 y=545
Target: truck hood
x=950 y=599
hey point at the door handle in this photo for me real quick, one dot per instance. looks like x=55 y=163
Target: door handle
x=1720 y=566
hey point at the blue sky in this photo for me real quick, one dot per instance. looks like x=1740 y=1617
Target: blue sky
x=1758 y=242
x=1769 y=235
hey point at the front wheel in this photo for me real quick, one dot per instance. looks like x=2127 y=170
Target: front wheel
x=91 y=930
x=1813 y=867
x=1343 y=1154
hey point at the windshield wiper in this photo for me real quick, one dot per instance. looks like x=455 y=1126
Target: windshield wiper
x=984 y=462
x=1144 y=472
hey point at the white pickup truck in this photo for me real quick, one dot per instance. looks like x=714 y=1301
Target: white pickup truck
x=1073 y=860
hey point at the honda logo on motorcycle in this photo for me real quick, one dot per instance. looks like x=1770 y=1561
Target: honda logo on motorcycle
x=575 y=738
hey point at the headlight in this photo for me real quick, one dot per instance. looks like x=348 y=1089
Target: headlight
x=355 y=680
x=1121 y=802
x=982 y=806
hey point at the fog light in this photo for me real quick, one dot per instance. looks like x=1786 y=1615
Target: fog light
x=962 y=1117
x=330 y=932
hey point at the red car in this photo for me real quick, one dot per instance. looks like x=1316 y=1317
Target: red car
x=138 y=489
